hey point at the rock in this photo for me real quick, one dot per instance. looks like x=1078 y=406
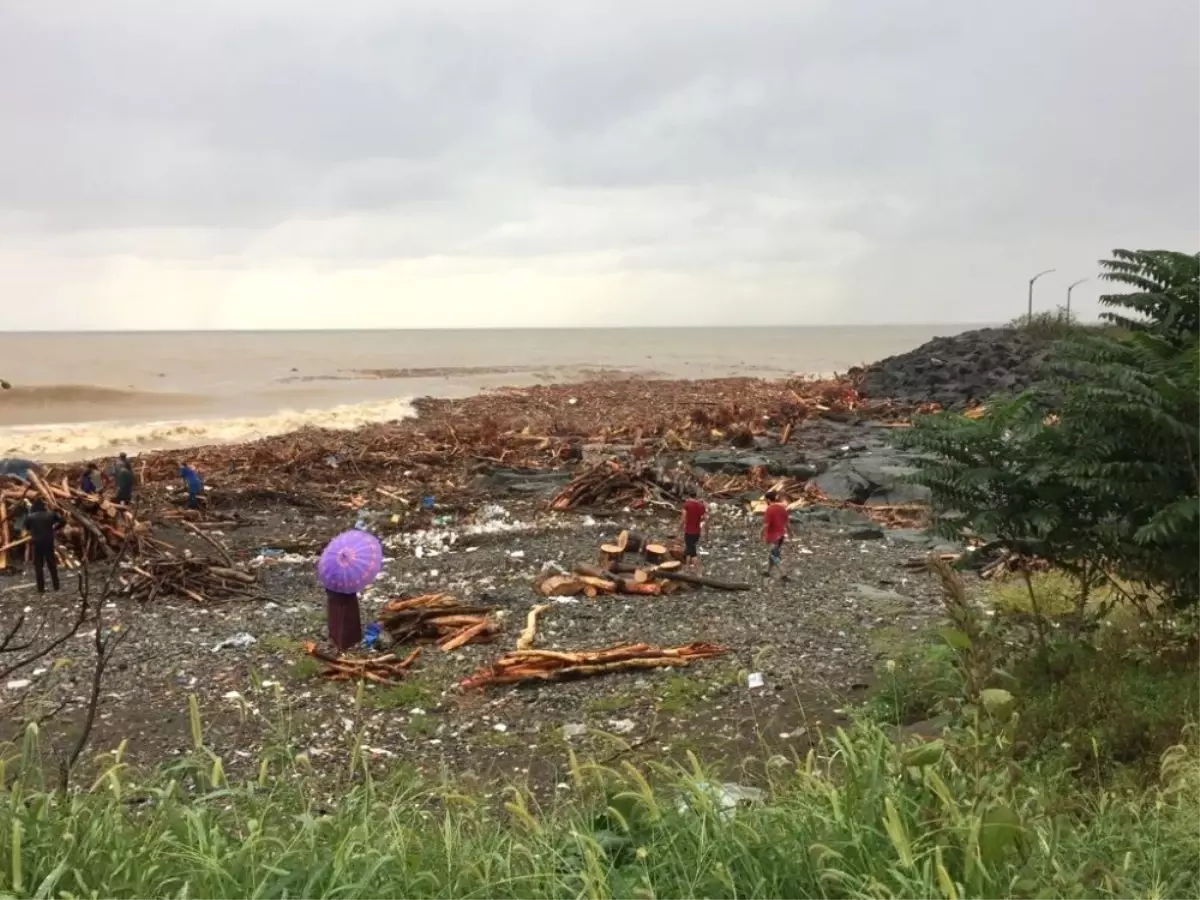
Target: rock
x=959 y=369
x=729 y=462
x=910 y=536
x=879 y=595
x=843 y=483
x=871 y=533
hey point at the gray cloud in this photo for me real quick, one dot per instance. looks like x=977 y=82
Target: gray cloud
x=875 y=161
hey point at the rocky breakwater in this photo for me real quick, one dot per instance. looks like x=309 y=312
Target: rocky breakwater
x=960 y=370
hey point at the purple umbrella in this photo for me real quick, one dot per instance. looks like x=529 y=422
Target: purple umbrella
x=350 y=562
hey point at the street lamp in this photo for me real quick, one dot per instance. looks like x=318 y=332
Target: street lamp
x=1031 y=281
x=1071 y=287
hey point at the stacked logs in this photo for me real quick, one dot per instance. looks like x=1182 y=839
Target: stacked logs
x=439 y=619
x=658 y=570
x=611 y=483
x=196 y=578
x=548 y=665
x=387 y=669
x=95 y=528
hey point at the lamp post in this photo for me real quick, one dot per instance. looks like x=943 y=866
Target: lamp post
x=1029 y=315
x=1071 y=287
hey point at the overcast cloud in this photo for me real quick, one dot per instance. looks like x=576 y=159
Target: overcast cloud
x=294 y=163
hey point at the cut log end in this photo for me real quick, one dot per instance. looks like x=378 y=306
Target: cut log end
x=656 y=552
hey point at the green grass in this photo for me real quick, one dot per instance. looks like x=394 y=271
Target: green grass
x=853 y=820
x=412 y=692
x=306 y=668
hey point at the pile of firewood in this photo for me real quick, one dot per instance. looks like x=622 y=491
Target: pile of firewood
x=610 y=482
x=385 y=669
x=439 y=619
x=201 y=579
x=95 y=528
x=655 y=569
x=548 y=665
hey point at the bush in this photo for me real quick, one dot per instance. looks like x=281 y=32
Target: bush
x=1097 y=470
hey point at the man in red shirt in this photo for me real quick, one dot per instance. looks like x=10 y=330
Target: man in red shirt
x=694 y=524
x=776 y=526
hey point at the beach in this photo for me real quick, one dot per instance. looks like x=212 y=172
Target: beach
x=76 y=395
x=479 y=497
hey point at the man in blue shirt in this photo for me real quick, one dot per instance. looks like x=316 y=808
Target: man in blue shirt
x=191 y=481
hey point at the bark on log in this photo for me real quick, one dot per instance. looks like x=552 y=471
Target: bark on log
x=595 y=572
x=631 y=541
x=689 y=578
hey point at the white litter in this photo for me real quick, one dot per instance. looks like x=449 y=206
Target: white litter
x=754 y=680
x=500 y=726
x=238 y=641
x=17 y=683
x=621 y=726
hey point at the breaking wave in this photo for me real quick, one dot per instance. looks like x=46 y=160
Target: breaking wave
x=42 y=395
x=80 y=440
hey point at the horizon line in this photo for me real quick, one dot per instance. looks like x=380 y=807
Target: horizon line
x=631 y=327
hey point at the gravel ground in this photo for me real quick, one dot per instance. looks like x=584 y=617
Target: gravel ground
x=815 y=641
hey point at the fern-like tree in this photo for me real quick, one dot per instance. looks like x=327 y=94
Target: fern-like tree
x=1097 y=469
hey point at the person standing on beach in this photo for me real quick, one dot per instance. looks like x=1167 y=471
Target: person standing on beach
x=124 y=479
x=193 y=484
x=40 y=525
x=776 y=526
x=694 y=526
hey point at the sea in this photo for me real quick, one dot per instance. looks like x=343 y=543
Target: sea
x=75 y=395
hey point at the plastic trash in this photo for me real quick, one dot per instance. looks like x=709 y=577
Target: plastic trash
x=371 y=635
x=427 y=502
x=754 y=680
x=240 y=640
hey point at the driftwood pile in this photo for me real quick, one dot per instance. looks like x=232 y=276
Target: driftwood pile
x=544 y=426
x=95 y=528
x=655 y=569
x=549 y=665
x=385 y=669
x=201 y=579
x=438 y=619
x=611 y=483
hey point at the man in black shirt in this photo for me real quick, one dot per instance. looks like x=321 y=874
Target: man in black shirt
x=41 y=524
x=124 y=479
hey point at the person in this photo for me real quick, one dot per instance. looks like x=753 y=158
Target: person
x=124 y=479
x=40 y=525
x=694 y=525
x=191 y=481
x=776 y=526
x=91 y=482
x=344 y=617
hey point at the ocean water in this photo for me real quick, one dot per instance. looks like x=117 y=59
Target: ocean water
x=78 y=394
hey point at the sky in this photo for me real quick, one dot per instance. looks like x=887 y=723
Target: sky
x=452 y=163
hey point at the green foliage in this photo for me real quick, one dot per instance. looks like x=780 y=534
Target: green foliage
x=1051 y=325
x=1097 y=469
x=863 y=817
x=1164 y=299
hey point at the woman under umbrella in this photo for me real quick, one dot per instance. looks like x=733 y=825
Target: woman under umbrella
x=348 y=564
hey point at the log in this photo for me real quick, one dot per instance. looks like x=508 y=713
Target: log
x=655 y=553
x=91 y=527
x=594 y=572
x=631 y=541
x=649 y=588
x=559 y=586
x=671 y=565
x=525 y=641
x=689 y=578
x=641 y=576
x=463 y=637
